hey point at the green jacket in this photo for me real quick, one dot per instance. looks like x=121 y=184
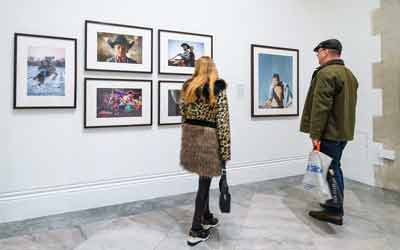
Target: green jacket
x=330 y=108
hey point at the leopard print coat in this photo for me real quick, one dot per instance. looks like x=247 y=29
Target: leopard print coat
x=218 y=114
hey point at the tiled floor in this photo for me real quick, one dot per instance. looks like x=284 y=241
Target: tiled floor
x=266 y=215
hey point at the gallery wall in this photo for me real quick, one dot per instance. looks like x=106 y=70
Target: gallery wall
x=51 y=164
x=361 y=51
x=387 y=78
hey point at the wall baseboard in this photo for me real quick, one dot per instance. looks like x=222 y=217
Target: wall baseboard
x=62 y=199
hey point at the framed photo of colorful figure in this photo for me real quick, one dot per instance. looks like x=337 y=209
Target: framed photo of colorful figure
x=118 y=47
x=117 y=102
x=44 y=71
x=169 y=95
x=274 y=81
x=178 y=51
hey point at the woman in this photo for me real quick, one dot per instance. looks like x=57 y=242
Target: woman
x=205 y=139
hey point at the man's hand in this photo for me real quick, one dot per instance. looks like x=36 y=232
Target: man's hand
x=316 y=144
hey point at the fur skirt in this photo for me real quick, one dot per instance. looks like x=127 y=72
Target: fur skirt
x=200 y=150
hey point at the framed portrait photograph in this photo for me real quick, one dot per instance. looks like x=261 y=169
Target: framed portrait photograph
x=169 y=95
x=274 y=81
x=117 y=102
x=118 y=47
x=178 y=51
x=44 y=71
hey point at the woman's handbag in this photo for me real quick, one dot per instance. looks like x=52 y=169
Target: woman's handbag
x=225 y=196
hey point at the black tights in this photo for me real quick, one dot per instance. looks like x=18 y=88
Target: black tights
x=202 y=209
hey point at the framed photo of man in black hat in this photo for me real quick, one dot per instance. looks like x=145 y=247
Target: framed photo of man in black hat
x=178 y=51
x=117 y=47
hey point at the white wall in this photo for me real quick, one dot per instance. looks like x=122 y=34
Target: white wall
x=50 y=164
x=351 y=22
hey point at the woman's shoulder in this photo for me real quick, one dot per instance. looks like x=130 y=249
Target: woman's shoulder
x=220 y=85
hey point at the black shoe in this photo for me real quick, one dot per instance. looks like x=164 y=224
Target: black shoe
x=327 y=204
x=330 y=206
x=210 y=222
x=327 y=216
x=197 y=236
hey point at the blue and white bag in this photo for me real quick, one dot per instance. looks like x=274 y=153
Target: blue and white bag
x=315 y=180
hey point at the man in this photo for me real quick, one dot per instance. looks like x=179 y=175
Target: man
x=187 y=57
x=46 y=69
x=329 y=117
x=121 y=47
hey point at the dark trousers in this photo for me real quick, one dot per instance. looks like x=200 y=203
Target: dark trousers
x=202 y=209
x=334 y=149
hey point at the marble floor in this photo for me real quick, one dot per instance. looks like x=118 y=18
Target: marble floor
x=265 y=215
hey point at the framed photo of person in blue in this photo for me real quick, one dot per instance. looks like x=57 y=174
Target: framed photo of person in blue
x=274 y=81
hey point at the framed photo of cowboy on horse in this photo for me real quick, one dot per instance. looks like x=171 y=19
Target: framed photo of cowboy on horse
x=44 y=72
x=178 y=51
x=117 y=47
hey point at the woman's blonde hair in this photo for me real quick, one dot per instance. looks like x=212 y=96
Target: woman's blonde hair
x=205 y=72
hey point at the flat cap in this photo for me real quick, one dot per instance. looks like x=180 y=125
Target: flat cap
x=329 y=44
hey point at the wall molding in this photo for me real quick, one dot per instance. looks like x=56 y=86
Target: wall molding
x=80 y=196
x=101 y=184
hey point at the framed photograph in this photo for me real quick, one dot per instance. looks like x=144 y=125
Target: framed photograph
x=178 y=51
x=274 y=81
x=169 y=94
x=44 y=71
x=117 y=102
x=117 y=47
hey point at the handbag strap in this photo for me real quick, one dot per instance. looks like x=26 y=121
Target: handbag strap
x=223 y=168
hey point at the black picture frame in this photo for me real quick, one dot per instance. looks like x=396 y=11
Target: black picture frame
x=160 y=123
x=15 y=75
x=160 y=31
x=85 y=123
x=252 y=69
x=87 y=68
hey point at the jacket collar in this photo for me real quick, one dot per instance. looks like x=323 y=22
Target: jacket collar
x=332 y=62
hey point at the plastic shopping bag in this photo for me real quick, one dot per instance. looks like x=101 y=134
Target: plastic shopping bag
x=315 y=180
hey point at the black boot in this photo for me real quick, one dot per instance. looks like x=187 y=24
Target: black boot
x=197 y=236
x=209 y=221
x=326 y=216
x=326 y=204
x=330 y=206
